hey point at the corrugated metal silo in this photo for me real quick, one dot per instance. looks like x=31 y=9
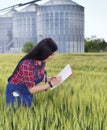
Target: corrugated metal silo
x=6 y=31
x=63 y=20
x=24 y=26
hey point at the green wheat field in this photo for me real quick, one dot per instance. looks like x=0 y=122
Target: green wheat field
x=80 y=103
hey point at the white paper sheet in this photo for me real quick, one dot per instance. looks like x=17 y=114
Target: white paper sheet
x=65 y=73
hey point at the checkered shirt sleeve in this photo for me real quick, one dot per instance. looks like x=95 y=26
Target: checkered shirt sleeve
x=27 y=71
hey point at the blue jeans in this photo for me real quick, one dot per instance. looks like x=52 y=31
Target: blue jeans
x=19 y=94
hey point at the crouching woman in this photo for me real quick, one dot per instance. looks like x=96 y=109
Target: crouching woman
x=29 y=72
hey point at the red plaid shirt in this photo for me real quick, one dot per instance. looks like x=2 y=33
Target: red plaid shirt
x=25 y=73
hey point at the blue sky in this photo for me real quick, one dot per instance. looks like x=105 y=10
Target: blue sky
x=95 y=15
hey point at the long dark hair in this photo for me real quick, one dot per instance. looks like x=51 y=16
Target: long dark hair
x=41 y=51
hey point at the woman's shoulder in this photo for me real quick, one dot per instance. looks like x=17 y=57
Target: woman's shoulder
x=31 y=62
x=27 y=62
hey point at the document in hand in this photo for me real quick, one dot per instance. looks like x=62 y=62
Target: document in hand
x=65 y=73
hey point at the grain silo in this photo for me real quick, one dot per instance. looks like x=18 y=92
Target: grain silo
x=6 y=31
x=24 y=26
x=63 y=20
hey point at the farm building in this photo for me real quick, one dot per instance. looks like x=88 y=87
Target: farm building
x=62 y=20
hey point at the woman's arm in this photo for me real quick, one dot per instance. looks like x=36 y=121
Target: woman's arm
x=40 y=88
x=53 y=82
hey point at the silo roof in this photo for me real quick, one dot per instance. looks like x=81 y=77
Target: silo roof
x=31 y=7
x=60 y=2
x=10 y=13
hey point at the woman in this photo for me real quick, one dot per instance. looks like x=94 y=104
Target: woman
x=29 y=72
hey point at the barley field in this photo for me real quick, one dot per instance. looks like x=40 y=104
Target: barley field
x=80 y=103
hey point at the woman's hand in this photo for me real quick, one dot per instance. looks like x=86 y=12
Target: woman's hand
x=55 y=80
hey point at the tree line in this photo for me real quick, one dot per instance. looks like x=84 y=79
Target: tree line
x=95 y=44
x=92 y=44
